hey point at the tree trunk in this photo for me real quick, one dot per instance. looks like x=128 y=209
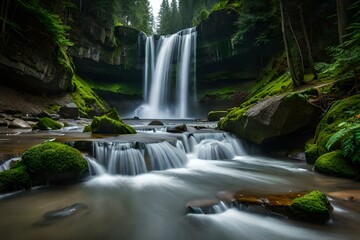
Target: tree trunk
x=307 y=42
x=286 y=44
x=342 y=13
x=300 y=74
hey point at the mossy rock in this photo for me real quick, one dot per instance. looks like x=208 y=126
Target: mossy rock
x=113 y=114
x=87 y=128
x=313 y=207
x=14 y=179
x=216 y=115
x=271 y=118
x=339 y=112
x=54 y=162
x=106 y=125
x=333 y=163
x=311 y=153
x=46 y=123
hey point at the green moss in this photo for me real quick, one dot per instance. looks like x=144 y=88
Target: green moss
x=113 y=114
x=311 y=153
x=87 y=128
x=314 y=207
x=86 y=99
x=52 y=161
x=216 y=115
x=14 y=179
x=339 y=112
x=115 y=88
x=54 y=26
x=54 y=108
x=106 y=125
x=47 y=124
x=333 y=163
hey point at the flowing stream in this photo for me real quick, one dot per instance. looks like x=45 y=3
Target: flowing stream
x=140 y=191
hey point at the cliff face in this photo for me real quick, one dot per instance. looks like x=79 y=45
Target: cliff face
x=226 y=72
x=29 y=55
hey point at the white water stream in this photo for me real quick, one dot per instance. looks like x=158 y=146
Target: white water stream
x=169 y=79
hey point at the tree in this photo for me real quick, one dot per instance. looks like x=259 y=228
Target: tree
x=164 y=18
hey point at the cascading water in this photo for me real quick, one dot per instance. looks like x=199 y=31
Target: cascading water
x=168 y=92
x=134 y=159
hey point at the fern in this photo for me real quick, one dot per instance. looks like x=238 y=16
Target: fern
x=339 y=135
x=350 y=147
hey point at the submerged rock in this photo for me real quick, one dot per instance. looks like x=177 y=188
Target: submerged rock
x=65 y=212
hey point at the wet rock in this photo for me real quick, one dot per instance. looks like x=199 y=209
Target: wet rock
x=18 y=123
x=30 y=118
x=177 y=129
x=271 y=118
x=206 y=206
x=3 y=123
x=43 y=114
x=297 y=154
x=56 y=215
x=156 y=122
x=216 y=115
x=70 y=110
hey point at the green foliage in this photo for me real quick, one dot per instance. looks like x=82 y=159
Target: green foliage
x=313 y=207
x=350 y=147
x=107 y=125
x=14 y=179
x=53 y=161
x=47 y=124
x=311 y=153
x=204 y=14
x=334 y=164
x=54 y=26
x=346 y=128
x=85 y=98
x=341 y=111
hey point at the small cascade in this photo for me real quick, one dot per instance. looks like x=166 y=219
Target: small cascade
x=129 y=158
x=7 y=164
x=94 y=167
x=214 y=150
x=165 y=156
x=128 y=162
x=214 y=145
x=168 y=91
x=219 y=208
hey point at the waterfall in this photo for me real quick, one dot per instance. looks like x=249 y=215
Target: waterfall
x=7 y=164
x=169 y=71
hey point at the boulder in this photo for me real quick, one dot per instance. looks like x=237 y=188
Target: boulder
x=271 y=118
x=70 y=110
x=334 y=164
x=216 y=115
x=47 y=124
x=14 y=179
x=106 y=125
x=54 y=162
x=177 y=129
x=18 y=123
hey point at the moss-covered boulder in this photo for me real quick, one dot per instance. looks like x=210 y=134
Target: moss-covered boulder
x=14 y=179
x=313 y=207
x=311 y=153
x=216 y=115
x=270 y=118
x=333 y=163
x=54 y=162
x=113 y=114
x=46 y=123
x=339 y=112
x=107 y=125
